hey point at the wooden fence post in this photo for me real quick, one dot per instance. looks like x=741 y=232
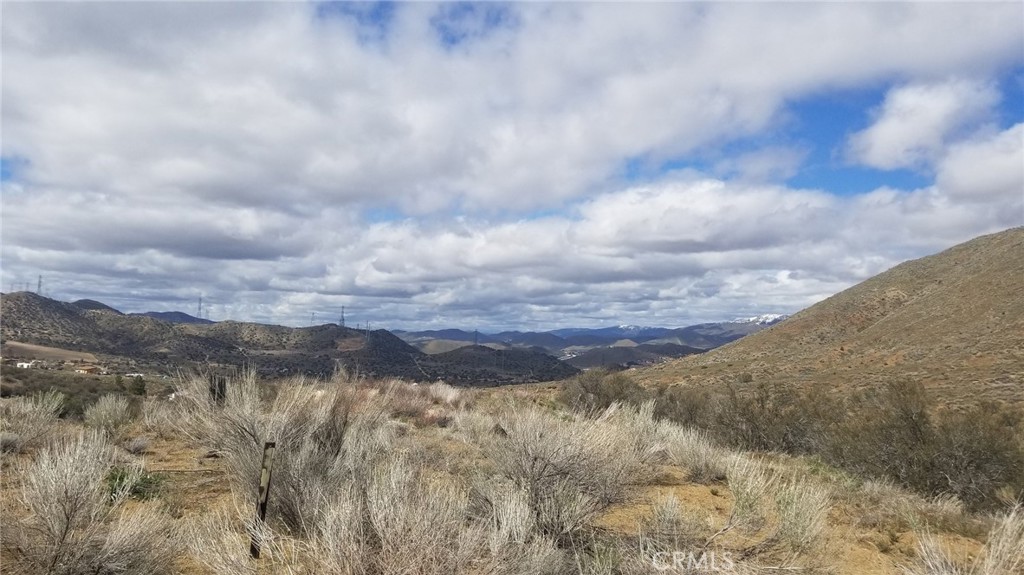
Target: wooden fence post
x=264 y=495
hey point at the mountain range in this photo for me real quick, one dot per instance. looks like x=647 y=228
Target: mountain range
x=623 y=345
x=166 y=342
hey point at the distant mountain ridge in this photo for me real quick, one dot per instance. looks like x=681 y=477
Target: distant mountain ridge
x=93 y=327
x=621 y=345
x=174 y=317
x=561 y=338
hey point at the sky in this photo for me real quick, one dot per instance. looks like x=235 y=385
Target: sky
x=499 y=166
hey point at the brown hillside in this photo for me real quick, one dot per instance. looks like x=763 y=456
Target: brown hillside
x=954 y=321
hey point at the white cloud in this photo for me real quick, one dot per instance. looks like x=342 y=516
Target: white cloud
x=916 y=122
x=231 y=149
x=988 y=168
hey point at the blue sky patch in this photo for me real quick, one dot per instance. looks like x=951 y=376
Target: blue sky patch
x=10 y=166
x=373 y=19
x=818 y=126
x=461 y=22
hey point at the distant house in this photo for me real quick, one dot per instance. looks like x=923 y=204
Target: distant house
x=88 y=369
x=135 y=375
x=27 y=364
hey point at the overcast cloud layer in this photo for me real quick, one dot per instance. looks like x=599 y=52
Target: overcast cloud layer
x=524 y=166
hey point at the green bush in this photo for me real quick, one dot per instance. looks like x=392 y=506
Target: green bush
x=143 y=486
x=894 y=432
x=138 y=386
x=687 y=406
x=596 y=389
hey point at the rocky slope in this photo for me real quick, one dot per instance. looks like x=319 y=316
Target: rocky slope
x=954 y=321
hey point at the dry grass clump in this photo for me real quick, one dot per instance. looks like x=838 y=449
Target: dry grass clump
x=431 y=405
x=158 y=416
x=27 y=421
x=137 y=445
x=884 y=506
x=447 y=395
x=802 y=509
x=692 y=450
x=109 y=414
x=670 y=528
x=75 y=523
x=751 y=483
x=473 y=426
x=1003 y=553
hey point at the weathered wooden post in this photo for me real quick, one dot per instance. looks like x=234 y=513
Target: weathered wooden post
x=264 y=495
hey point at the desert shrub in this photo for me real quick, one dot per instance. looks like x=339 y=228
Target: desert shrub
x=71 y=527
x=445 y=394
x=1003 y=552
x=976 y=453
x=326 y=435
x=398 y=518
x=774 y=418
x=896 y=433
x=405 y=400
x=893 y=432
x=158 y=416
x=473 y=426
x=891 y=437
x=571 y=471
x=109 y=414
x=418 y=523
x=687 y=406
x=597 y=389
x=136 y=445
x=27 y=421
x=213 y=541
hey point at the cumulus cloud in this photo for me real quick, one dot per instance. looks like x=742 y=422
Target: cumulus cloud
x=235 y=150
x=917 y=121
x=987 y=168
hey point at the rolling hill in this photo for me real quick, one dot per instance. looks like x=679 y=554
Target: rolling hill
x=953 y=321
x=628 y=356
x=273 y=350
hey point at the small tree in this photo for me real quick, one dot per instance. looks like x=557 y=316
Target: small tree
x=138 y=385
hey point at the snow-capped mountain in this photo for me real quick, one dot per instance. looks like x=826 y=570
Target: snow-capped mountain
x=763 y=319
